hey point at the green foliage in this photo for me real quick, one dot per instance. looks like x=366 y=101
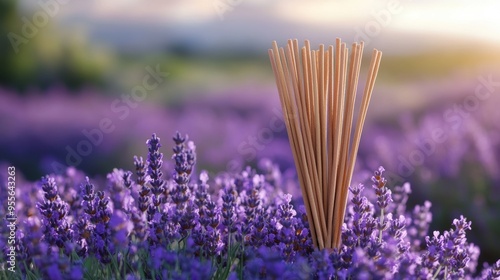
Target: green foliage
x=43 y=59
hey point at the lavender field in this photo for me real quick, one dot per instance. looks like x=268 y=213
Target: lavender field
x=155 y=148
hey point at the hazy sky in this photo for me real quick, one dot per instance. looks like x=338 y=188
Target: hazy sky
x=212 y=23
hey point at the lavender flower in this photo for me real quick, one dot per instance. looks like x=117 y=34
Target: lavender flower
x=184 y=158
x=384 y=197
x=251 y=203
x=303 y=242
x=260 y=229
x=400 y=196
x=56 y=227
x=155 y=162
x=96 y=223
x=228 y=210
x=361 y=222
x=455 y=252
x=421 y=220
x=231 y=226
x=494 y=271
x=286 y=224
x=143 y=197
x=120 y=195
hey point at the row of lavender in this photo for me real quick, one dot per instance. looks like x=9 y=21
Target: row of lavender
x=450 y=154
x=150 y=226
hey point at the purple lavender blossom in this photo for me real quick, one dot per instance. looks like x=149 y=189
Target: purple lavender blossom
x=184 y=157
x=384 y=197
x=494 y=271
x=95 y=226
x=140 y=171
x=286 y=224
x=155 y=162
x=231 y=226
x=421 y=219
x=228 y=210
x=57 y=230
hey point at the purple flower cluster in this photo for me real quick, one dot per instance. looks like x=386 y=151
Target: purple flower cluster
x=56 y=229
x=94 y=227
x=378 y=244
x=449 y=157
x=144 y=225
x=461 y=172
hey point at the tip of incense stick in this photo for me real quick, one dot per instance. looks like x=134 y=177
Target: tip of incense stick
x=319 y=89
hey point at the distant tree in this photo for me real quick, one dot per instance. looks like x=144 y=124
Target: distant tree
x=23 y=56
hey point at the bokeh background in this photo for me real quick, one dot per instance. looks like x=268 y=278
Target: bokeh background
x=73 y=92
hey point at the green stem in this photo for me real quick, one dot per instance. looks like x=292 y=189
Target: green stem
x=381 y=222
x=229 y=257
x=437 y=272
x=242 y=257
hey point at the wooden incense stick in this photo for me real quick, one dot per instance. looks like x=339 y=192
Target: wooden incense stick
x=317 y=90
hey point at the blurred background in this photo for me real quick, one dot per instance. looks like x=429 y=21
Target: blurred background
x=85 y=83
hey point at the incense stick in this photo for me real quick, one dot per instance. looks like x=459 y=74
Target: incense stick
x=317 y=90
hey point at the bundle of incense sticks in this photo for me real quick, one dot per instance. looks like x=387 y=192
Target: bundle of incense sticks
x=317 y=90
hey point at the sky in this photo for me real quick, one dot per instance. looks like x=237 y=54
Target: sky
x=397 y=25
